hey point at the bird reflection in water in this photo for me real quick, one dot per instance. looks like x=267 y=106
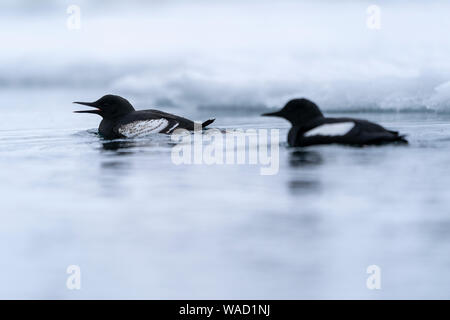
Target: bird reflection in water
x=302 y=158
x=122 y=147
x=307 y=183
x=131 y=146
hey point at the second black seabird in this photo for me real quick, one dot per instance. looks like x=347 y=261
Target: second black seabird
x=310 y=127
x=121 y=120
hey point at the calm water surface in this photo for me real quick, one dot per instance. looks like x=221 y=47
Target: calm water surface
x=141 y=227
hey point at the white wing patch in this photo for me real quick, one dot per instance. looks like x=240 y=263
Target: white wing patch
x=173 y=127
x=331 y=129
x=143 y=127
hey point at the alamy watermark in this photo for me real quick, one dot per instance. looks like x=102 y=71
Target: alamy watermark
x=74 y=19
x=74 y=279
x=373 y=282
x=373 y=21
x=228 y=147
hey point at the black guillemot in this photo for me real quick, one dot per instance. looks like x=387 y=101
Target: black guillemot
x=121 y=120
x=310 y=127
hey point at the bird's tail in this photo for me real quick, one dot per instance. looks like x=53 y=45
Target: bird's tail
x=207 y=123
x=401 y=138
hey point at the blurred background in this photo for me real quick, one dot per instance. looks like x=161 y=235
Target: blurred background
x=233 y=54
x=140 y=227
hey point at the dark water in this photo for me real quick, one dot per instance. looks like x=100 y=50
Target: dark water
x=141 y=227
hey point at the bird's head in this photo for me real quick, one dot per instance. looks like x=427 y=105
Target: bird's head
x=109 y=107
x=297 y=111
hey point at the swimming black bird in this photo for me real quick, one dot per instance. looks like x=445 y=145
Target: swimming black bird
x=120 y=120
x=310 y=127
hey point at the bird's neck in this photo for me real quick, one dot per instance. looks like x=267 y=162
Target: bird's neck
x=300 y=121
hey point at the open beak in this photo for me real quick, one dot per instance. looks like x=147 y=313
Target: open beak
x=89 y=104
x=272 y=114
